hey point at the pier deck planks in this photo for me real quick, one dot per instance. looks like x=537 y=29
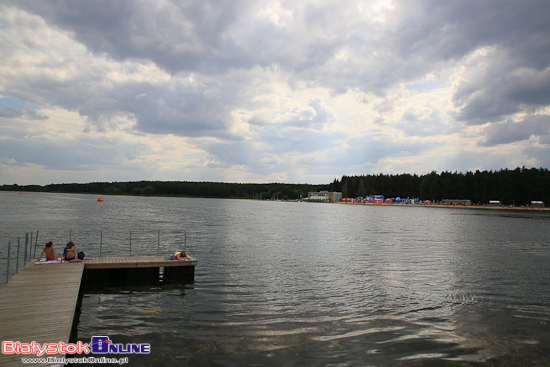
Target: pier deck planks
x=39 y=303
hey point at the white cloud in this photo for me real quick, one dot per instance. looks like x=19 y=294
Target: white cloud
x=255 y=91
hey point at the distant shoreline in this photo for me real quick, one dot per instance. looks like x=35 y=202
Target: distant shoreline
x=456 y=206
x=524 y=208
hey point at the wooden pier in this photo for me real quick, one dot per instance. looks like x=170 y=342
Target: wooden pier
x=39 y=303
x=133 y=262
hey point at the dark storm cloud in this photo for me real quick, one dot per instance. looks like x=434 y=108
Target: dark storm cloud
x=213 y=35
x=451 y=29
x=514 y=75
x=501 y=88
x=511 y=131
x=416 y=37
x=208 y=36
x=176 y=35
x=421 y=36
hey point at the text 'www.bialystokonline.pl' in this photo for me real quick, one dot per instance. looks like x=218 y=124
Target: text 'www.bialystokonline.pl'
x=86 y=360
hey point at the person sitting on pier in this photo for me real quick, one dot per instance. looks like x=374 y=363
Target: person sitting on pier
x=182 y=255
x=49 y=251
x=68 y=252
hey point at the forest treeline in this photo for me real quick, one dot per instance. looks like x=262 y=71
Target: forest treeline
x=512 y=187
x=180 y=188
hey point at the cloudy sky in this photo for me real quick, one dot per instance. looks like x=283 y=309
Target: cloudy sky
x=270 y=91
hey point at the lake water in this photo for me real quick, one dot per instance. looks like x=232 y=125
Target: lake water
x=311 y=284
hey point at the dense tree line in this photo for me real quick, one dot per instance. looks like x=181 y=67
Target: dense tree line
x=181 y=188
x=512 y=187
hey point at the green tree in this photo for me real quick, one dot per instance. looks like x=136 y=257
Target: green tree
x=361 y=190
x=345 y=191
x=148 y=190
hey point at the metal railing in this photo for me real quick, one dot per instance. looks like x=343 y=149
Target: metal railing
x=94 y=243
x=12 y=256
x=119 y=243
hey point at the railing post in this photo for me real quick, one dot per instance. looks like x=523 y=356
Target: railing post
x=17 y=261
x=130 y=243
x=158 y=245
x=35 y=243
x=30 y=247
x=26 y=244
x=100 y=242
x=8 y=269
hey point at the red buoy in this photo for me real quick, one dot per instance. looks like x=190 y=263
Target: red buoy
x=100 y=199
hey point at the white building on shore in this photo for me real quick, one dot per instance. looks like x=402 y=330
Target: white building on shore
x=325 y=196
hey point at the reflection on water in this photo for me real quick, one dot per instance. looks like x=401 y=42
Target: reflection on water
x=318 y=284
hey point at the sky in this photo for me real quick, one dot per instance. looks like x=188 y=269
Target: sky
x=270 y=91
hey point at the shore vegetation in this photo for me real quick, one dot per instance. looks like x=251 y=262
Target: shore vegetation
x=516 y=187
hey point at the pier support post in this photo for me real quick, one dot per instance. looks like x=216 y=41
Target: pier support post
x=120 y=276
x=8 y=269
x=179 y=272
